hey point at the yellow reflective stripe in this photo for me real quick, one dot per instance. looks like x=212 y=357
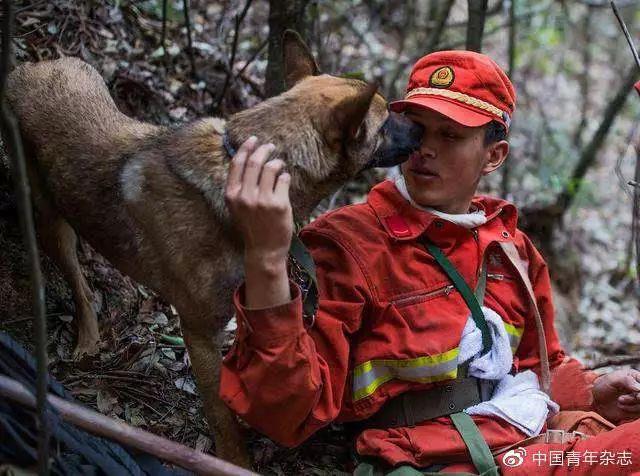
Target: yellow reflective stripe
x=417 y=362
x=370 y=375
x=373 y=386
x=515 y=334
x=513 y=330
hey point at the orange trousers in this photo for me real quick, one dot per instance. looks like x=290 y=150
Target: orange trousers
x=614 y=452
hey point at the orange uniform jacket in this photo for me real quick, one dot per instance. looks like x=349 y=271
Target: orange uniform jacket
x=388 y=322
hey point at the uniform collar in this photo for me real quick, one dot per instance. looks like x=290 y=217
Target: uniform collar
x=403 y=221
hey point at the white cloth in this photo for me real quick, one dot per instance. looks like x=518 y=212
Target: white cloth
x=496 y=363
x=516 y=399
x=466 y=220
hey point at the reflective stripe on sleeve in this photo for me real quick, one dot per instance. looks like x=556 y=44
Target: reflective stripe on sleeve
x=370 y=375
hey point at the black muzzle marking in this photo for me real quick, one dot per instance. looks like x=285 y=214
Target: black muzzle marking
x=400 y=138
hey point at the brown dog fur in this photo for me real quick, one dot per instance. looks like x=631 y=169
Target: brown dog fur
x=151 y=199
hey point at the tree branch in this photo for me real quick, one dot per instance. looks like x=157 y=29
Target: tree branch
x=506 y=167
x=590 y=152
x=584 y=78
x=436 y=33
x=614 y=361
x=136 y=438
x=232 y=57
x=187 y=21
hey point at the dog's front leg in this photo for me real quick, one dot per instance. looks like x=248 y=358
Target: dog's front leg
x=206 y=360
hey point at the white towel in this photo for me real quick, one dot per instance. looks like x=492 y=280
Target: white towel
x=516 y=399
x=496 y=363
x=466 y=220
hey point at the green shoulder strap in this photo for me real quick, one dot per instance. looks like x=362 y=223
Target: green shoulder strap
x=482 y=282
x=464 y=289
x=478 y=448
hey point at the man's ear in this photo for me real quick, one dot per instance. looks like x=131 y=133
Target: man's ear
x=351 y=111
x=298 y=61
x=497 y=154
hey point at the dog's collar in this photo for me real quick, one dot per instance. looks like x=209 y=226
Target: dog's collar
x=226 y=143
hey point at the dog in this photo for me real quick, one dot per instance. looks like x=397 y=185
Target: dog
x=150 y=199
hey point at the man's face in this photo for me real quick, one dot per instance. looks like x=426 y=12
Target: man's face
x=445 y=171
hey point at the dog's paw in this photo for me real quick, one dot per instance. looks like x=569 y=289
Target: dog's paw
x=86 y=348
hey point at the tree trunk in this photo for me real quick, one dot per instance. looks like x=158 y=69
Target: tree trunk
x=475 y=25
x=439 y=24
x=283 y=15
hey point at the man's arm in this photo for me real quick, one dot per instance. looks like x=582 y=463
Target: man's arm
x=257 y=194
x=282 y=379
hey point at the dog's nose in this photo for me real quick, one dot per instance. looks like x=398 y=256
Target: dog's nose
x=413 y=130
x=401 y=137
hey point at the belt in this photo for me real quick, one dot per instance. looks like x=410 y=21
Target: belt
x=411 y=408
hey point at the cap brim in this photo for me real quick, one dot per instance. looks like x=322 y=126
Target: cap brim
x=457 y=112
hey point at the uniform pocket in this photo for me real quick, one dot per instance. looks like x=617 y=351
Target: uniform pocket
x=424 y=296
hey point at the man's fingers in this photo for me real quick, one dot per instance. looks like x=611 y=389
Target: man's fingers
x=635 y=408
x=253 y=168
x=268 y=177
x=282 y=188
x=629 y=398
x=632 y=382
x=236 y=169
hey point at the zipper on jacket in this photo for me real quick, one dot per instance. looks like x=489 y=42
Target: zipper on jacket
x=446 y=290
x=499 y=277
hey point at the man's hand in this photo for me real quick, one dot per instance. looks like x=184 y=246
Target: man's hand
x=257 y=194
x=616 y=395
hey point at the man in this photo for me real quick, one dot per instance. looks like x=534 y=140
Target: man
x=393 y=319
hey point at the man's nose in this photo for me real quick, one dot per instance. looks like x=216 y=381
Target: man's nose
x=427 y=146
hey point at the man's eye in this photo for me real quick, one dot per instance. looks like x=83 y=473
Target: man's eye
x=449 y=135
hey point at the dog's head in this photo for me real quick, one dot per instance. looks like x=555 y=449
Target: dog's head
x=326 y=128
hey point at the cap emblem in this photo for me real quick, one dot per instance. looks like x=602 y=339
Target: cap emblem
x=441 y=77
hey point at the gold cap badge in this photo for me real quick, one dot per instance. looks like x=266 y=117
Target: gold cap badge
x=441 y=77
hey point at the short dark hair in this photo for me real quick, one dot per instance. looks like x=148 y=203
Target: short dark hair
x=494 y=132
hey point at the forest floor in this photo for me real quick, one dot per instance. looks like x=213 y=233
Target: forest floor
x=141 y=375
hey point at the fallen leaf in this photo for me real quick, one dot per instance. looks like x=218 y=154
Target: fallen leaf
x=105 y=401
x=203 y=443
x=160 y=318
x=186 y=384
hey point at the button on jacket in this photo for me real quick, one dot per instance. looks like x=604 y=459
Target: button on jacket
x=390 y=321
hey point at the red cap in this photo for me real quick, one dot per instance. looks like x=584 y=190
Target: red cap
x=468 y=87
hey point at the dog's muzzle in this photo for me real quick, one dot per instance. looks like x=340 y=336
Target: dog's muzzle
x=400 y=137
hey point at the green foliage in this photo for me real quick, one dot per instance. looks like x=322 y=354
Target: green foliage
x=354 y=75
x=154 y=7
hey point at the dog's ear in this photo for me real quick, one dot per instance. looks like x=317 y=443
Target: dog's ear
x=351 y=111
x=298 y=61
